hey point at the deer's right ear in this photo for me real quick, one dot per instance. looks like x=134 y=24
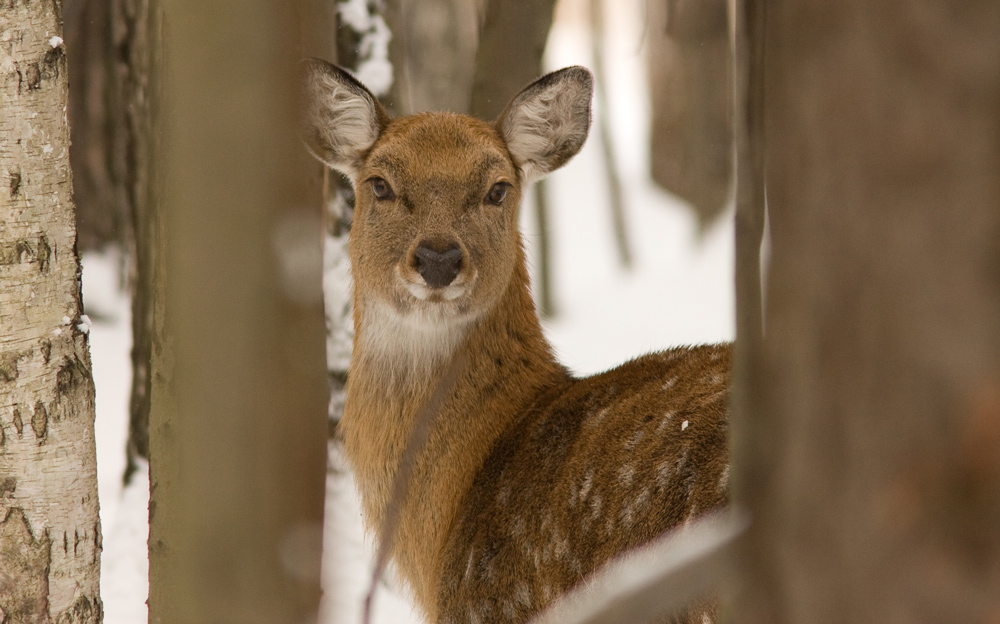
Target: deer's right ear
x=341 y=118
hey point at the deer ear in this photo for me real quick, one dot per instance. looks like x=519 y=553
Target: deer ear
x=547 y=123
x=341 y=118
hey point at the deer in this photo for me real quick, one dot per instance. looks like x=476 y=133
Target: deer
x=530 y=478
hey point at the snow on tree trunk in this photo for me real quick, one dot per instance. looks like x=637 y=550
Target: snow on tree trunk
x=50 y=532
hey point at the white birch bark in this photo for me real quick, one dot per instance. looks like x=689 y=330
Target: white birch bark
x=50 y=534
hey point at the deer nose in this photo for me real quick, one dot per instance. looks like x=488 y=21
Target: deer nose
x=438 y=268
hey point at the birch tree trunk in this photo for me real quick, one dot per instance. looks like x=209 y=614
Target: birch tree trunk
x=50 y=532
x=870 y=464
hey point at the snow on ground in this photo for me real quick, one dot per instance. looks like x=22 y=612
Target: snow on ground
x=679 y=292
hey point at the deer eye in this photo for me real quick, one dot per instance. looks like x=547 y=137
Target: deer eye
x=381 y=189
x=497 y=193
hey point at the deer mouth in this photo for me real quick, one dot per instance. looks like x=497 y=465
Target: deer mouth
x=418 y=287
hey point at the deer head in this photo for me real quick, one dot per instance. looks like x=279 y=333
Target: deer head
x=435 y=240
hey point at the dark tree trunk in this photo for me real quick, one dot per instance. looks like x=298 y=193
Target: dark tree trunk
x=690 y=69
x=870 y=462
x=99 y=217
x=509 y=55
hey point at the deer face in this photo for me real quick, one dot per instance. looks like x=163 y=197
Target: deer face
x=435 y=235
x=435 y=226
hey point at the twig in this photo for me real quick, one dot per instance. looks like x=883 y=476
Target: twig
x=423 y=423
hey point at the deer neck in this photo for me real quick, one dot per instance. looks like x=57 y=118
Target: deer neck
x=395 y=369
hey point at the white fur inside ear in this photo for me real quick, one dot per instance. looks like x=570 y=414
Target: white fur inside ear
x=547 y=123
x=341 y=122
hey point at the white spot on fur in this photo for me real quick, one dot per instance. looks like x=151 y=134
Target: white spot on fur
x=670 y=383
x=598 y=417
x=705 y=619
x=636 y=438
x=663 y=423
x=473 y=616
x=625 y=475
x=595 y=506
x=684 y=425
x=663 y=473
x=523 y=594
x=509 y=609
x=468 y=565
x=587 y=483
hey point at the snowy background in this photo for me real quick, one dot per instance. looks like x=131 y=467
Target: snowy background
x=679 y=292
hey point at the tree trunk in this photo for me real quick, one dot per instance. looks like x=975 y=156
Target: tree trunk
x=50 y=532
x=134 y=94
x=690 y=69
x=238 y=405
x=433 y=51
x=100 y=220
x=870 y=468
x=509 y=55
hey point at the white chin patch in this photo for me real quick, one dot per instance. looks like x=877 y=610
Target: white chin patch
x=424 y=292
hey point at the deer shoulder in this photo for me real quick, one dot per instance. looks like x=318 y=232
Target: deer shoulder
x=531 y=478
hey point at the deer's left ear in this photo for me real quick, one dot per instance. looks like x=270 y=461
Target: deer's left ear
x=547 y=123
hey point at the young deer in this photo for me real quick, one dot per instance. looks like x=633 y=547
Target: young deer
x=530 y=478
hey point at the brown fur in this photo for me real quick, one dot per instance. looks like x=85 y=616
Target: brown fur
x=530 y=478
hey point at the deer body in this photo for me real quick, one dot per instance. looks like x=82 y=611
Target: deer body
x=530 y=478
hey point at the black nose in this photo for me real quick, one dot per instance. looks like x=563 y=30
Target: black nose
x=438 y=268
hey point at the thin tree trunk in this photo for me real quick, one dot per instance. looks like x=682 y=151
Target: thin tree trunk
x=99 y=218
x=433 y=51
x=872 y=474
x=690 y=69
x=508 y=58
x=135 y=33
x=238 y=429
x=616 y=197
x=510 y=50
x=50 y=532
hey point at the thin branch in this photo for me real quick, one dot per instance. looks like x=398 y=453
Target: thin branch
x=657 y=579
x=423 y=424
x=617 y=203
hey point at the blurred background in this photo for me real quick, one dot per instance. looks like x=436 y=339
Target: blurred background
x=630 y=245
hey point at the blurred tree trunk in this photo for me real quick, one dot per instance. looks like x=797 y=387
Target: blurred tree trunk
x=433 y=51
x=238 y=416
x=509 y=55
x=871 y=467
x=690 y=74
x=50 y=532
x=134 y=33
x=99 y=217
x=508 y=58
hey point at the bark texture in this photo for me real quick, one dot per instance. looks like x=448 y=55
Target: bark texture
x=871 y=468
x=50 y=533
x=238 y=405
